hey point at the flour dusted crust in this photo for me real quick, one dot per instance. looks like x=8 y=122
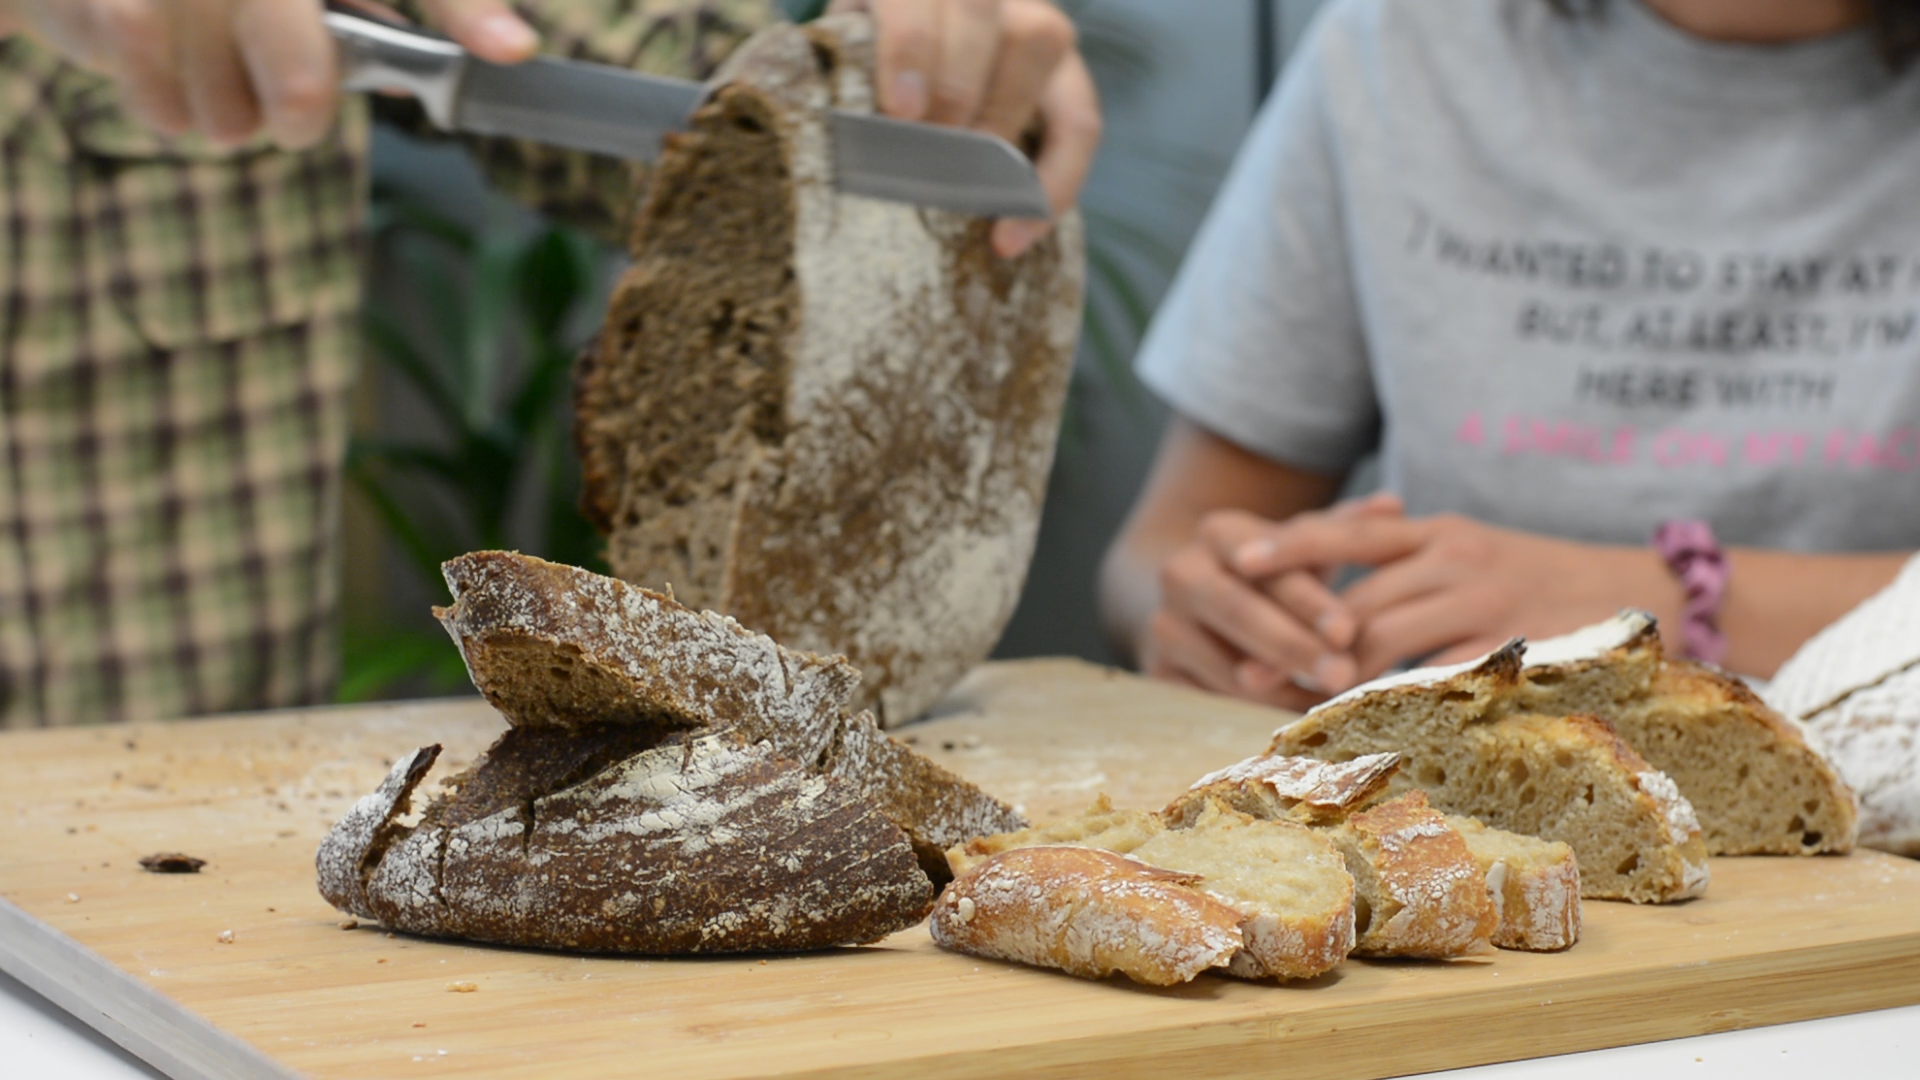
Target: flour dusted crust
x=1856 y=688
x=1568 y=778
x=553 y=644
x=828 y=416
x=1087 y=912
x=1756 y=785
x=701 y=843
x=1426 y=896
x=1534 y=884
x=1276 y=786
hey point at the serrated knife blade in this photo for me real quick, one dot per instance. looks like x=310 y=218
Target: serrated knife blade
x=608 y=110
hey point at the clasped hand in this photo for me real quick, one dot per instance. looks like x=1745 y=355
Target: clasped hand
x=233 y=70
x=1248 y=607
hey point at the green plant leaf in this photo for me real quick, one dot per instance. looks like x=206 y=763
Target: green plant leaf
x=397 y=349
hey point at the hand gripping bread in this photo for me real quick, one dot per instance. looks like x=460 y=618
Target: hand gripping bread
x=1856 y=687
x=610 y=838
x=830 y=417
x=1756 y=785
x=552 y=644
x=1561 y=778
x=1288 y=882
x=1087 y=912
x=1534 y=883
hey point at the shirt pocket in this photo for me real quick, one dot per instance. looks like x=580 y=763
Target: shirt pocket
x=197 y=244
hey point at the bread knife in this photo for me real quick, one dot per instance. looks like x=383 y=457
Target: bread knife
x=609 y=110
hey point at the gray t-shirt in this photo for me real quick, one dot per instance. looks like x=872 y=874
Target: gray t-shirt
x=1573 y=276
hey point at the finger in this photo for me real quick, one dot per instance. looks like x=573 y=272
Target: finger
x=486 y=28
x=293 y=65
x=1195 y=586
x=1326 y=540
x=1398 y=584
x=1301 y=594
x=1034 y=38
x=135 y=43
x=1379 y=504
x=1425 y=627
x=219 y=90
x=1071 y=127
x=969 y=41
x=906 y=54
x=1179 y=647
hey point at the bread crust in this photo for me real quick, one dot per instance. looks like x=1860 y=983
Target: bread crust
x=1426 y=894
x=1278 y=787
x=1087 y=912
x=891 y=388
x=548 y=643
x=1536 y=889
x=704 y=843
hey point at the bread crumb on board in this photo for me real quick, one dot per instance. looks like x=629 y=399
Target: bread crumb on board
x=171 y=862
x=225 y=938
x=349 y=924
x=73 y=898
x=462 y=987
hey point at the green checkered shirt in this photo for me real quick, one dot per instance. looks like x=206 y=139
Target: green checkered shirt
x=178 y=338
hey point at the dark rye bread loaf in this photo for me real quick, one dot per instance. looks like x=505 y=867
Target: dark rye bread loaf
x=551 y=644
x=827 y=416
x=627 y=838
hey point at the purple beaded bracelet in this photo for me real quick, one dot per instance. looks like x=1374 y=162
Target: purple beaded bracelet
x=1694 y=556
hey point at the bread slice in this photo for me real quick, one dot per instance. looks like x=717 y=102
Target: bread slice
x=1562 y=778
x=1283 y=788
x=611 y=838
x=1289 y=883
x=1420 y=891
x=1416 y=891
x=1534 y=884
x=831 y=417
x=1089 y=913
x=1755 y=784
x=550 y=644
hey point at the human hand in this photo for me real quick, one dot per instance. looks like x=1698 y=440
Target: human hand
x=992 y=65
x=230 y=69
x=1282 y=639
x=1448 y=588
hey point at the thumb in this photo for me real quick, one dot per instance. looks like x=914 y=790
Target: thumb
x=486 y=28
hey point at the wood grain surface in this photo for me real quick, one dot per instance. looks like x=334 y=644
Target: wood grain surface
x=241 y=970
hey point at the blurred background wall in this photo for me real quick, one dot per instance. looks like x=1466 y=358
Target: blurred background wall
x=477 y=305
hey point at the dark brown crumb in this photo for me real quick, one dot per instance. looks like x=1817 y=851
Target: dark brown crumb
x=172 y=862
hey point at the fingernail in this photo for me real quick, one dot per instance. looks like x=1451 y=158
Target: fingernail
x=508 y=34
x=1326 y=625
x=1306 y=682
x=907 y=95
x=1254 y=551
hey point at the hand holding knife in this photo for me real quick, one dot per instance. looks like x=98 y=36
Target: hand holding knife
x=608 y=110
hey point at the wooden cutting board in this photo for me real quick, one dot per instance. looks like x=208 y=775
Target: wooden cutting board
x=243 y=971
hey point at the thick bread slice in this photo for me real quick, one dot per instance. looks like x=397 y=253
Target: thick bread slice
x=1562 y=778
x=1420 y=891
x=1534 y=883
x=829 y=416
x=550 y=644
x=1089 y=913
x=1289 y=882
x=1100 y=826
x=606 y=838
x=1756 y=785
x=1277 y=787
